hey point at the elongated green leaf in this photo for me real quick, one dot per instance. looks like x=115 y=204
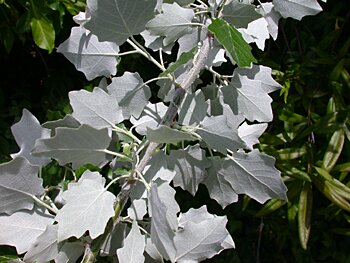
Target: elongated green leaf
x=43 y=33
x=233 y=42
x=304 y=214
x=334 y=149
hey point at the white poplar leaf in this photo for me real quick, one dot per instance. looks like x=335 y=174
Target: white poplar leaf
x=272 y=17
x=138 y=209
x=22 y=228
x=297 y=9
x=79 y=146
x=45 y=247
x=192 y=39
x=189 y=165
x=82 y=17
x=117 y=20
x=156 y=168
x=240 y=14
x=134 y=246
x=88 y=207
x=165 y=134
x=202 y=236
x=155 y=42
x=162 y=235
x=167 y=195
x=26 y=132
x=115 y=240
x=131 y=93
x=97 y=108
x=251 y=173
x=250 y=133
x=218 y=187
x=193 y=109
x=151 y=116
x=172 y=23
x=153 y=255
x=70 y=252
x=262 y=74
x=89 y=55
x=258 y=31
x=67 y=121
x=218 y=108
x=247 y=97
x=18 y=183
x=218 y=135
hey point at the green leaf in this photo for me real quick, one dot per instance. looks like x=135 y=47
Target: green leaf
x=304 y=214
x=43 y=33
x=183 y=59
x=233 y=42
x=334 y=149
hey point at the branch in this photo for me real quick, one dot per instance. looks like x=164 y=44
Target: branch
x=128 y=185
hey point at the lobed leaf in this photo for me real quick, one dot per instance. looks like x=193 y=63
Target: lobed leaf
x=117 y=20
x=88 y=207
x=18 y=183
x=297 y=9
x=172 y=23
x=23 y=227
x=89 y=55
x=26 y=132
x=79 y=146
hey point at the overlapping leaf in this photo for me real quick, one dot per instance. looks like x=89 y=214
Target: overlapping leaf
x=202 y=236
x=262 y=74
x=18 y=183
x=97 y=108
x=88 y=207
x=117 y=20
x=45 y=247
x=193 y=109
x=79 y=146
x=252 y=174
x=250 y=133
x=134 y=245
x=89 y=55
x=240 y=14
x=165 y=134
x=272 y=17
x=26 y=132
x=218 y=135
x=190 y=165
x=151 y=116
x=172 y=23
x=297 y=9
x=22 y=228
x=131 y=93
x=162 y=235
x=233 y=42
x=247 y=97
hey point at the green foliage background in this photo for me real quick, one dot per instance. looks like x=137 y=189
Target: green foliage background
x=310 y=128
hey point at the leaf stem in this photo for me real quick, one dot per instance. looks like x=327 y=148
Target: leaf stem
x=42 y=203
x=141 y=50
x=128 y=53
x=120 y=155
x=127 y=133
